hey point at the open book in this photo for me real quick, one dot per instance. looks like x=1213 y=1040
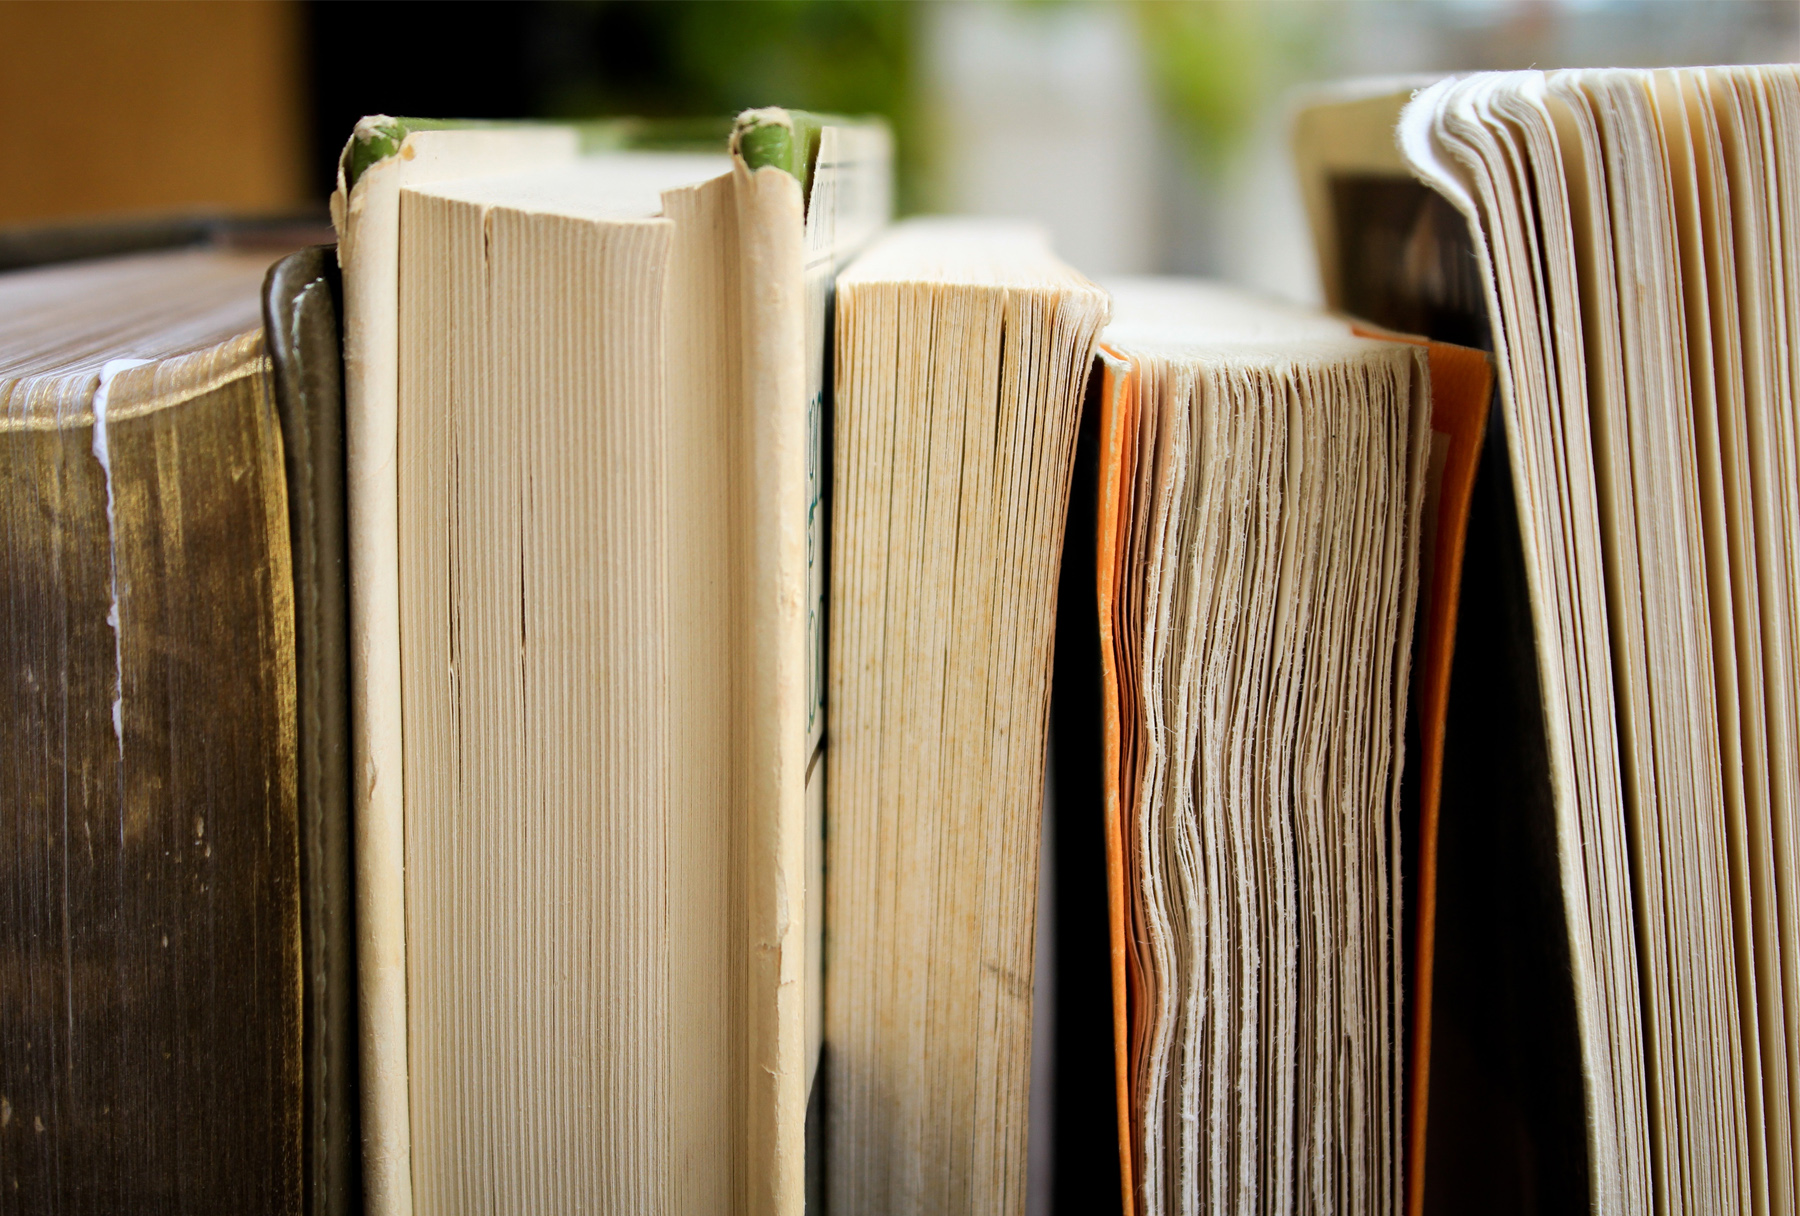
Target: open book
x=1619 y=982
x=585 y=398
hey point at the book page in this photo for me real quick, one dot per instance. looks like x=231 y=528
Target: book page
x=1258 y=900
x=366 y=213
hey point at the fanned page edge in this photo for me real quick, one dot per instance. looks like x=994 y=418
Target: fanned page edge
x=1457 y=419
x=1428 y=160
x=1465 y=410
x=367 y=219
x=1462 y=387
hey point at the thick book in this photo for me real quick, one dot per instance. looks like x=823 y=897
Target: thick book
x=586 y=409
x=1277 y=493
x=175 y=1024
x=1614 y=1025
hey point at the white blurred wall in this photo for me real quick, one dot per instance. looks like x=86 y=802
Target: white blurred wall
x=1048 y=109
x=1043 y=111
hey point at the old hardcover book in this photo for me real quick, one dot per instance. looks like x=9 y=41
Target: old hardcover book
x=586 y=403
x=302 y=336
x=1615 y=1024
x=172 y=1016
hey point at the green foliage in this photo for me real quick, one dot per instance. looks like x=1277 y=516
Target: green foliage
x=371 y=144
x=717 y=57
x=1215 y=63
x=1207 y=60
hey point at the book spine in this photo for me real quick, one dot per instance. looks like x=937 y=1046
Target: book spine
x=774 y=662
x=300 y=324
x=383 y=157
x=367 y=218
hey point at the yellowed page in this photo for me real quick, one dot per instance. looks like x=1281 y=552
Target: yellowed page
x=367 y=217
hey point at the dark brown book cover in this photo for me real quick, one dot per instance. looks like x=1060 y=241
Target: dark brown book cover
x=300 y=318
x=176 y=984
x=149 y=996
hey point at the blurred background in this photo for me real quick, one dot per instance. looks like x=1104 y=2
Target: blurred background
x=1149 y=135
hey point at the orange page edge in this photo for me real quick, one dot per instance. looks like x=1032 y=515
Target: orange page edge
x=1462 y=382
x=1461 y=391
x=1118 y=390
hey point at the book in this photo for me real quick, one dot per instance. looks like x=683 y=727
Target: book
x=301 y=331
x=175 y=1020
x=963 y=351
x=1615 y=1023
x=1275 y=492
x=586 y=400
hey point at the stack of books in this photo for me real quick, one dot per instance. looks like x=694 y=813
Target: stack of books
x=545 y=706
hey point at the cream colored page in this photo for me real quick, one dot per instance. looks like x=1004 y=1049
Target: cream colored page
x=1779 y=90
x=1705 y=1156
x=960 y=356
x=1632 y=342
x=1446 y=143
x=1759 y=112
x=1710 y=241
x=565 y=380
x=848 y=204
x=1624 y=325
x=367 y=218
x=1688 y=141
x=537 y=681
x=703 y=374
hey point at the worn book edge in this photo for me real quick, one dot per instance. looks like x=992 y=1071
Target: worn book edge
x=365 y=210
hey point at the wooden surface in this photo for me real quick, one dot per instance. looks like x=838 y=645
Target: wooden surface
x=149 y=889
x=126 y=106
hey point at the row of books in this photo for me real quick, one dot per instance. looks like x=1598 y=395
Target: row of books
x=546 y=706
